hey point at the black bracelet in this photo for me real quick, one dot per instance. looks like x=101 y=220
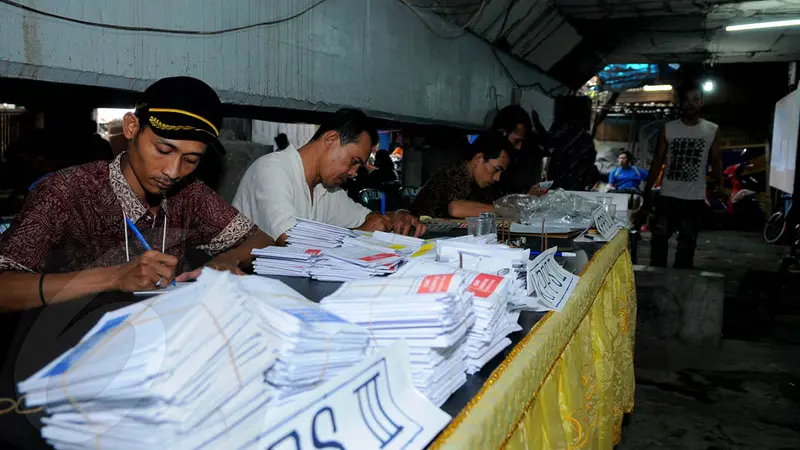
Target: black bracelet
x=41 y=289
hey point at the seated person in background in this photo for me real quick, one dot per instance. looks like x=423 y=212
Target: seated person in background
x=459 y=190
x=524 y=173
x=305 y=183
x=384 y=170
x=72 y=239
x=513 y=123
x=626 y=177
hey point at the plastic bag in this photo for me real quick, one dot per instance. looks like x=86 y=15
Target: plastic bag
x=557 y=207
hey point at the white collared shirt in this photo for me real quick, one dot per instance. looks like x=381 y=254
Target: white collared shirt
x=273 y=192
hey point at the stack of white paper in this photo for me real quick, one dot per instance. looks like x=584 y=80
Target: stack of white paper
x=183 y=369
x=331 y=264
x=294 y=261
x=430 y=313
x=510 y=263
x=493 y=320
x=308 y=233
x=313 y=345
x=174 y=371
x=352 y=263
x=385 y=242
x=487 y=338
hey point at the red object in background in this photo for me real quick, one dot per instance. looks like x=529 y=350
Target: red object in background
x=736 y=185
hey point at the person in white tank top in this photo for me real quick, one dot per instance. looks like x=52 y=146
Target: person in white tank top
x=685 y=149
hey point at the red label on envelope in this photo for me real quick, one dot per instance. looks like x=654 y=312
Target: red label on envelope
x=377 y=257
x=313 y=251
x=484 y=285
x=435 y=283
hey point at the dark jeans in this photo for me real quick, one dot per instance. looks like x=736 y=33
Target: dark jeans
x=683 y=216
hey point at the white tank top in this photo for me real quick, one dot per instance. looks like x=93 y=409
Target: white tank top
x=687 y=159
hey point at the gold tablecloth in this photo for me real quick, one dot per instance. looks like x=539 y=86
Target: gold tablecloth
x=567 y=384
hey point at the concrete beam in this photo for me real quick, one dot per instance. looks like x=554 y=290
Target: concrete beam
x=372 y=54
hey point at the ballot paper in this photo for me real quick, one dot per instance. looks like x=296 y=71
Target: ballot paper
x=605 y=224
x=426 y=251
x=484 y=339
x=552 y=284
x=371 y=406
x=485 y=239
x=432 y=314
x=181 y=369
x=449 y=250
x=165 y=372
x=308 y=233
x=163 y=290
x=329 y=253
x=492 y=296
x=287 y=261
x=313 y=345
x=394 y=238
x=372 y=243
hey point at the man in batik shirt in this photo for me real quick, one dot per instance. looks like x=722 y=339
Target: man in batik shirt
x=73 y=238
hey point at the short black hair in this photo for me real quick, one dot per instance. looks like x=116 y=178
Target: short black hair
x=383 y=159
x=349 y=123
x=492 y=144
x=628 y=154
x=689 y=86
x=282 y=141
x=143 y=115
x=509 y=117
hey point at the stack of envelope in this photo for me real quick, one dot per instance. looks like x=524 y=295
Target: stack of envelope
x=330 y=253
x=374 y=243
x=329 y=264
x=183 y=369
x=313 y=345
x=294 y=261
x=353 y=263
x=308 y=233
x=514 y=264
x=493 y=319
x=432 y=314
x=173 y=371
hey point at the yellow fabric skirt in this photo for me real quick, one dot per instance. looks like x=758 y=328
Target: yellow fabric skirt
x=567 y=384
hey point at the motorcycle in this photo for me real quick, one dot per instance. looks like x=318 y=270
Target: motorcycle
x=741 y=207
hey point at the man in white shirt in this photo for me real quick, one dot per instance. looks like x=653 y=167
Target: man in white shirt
x=304 y=183
x=686 y=145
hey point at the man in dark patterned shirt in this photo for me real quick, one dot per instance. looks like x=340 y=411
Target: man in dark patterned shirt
x=572 y=165
x=459 y=190
x=73 y=238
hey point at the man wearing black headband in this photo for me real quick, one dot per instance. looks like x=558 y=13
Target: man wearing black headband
x=87 y=229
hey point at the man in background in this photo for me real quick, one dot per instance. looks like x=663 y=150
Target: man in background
x=571 y=165
x=283 y=186
x=525 y=170
x=626 y=177
x=685 y=146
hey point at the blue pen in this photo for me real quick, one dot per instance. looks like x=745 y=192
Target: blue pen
x=383 y=204
x=564 y=254
x=138 y=234
x=141 y=239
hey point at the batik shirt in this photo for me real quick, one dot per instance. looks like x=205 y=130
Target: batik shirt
x=572 y=163
x=445 y=186
x=74 y=220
